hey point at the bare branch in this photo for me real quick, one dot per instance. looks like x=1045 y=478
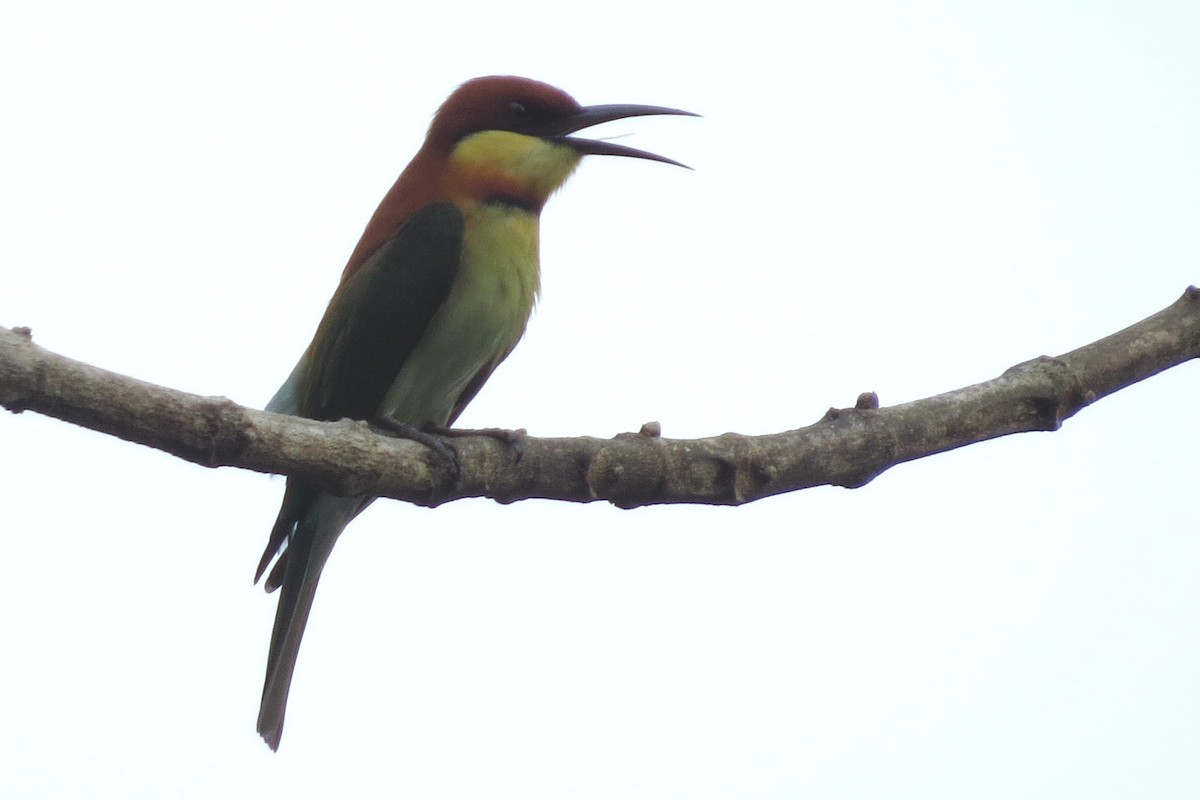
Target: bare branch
x=848 y=447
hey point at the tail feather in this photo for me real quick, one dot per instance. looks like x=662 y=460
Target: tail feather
x=296 y=499
x=310 y=529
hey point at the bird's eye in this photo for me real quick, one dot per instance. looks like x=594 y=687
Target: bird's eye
x=517 y=109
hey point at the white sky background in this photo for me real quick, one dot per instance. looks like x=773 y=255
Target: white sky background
x=904 y=202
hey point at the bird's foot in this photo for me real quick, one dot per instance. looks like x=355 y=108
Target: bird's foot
x=432 y=439
x=513 y=440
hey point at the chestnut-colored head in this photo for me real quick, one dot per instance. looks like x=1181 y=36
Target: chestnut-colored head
x=531 y=108
x=501 y=103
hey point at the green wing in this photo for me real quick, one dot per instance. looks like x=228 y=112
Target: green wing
x=370 y=328
x=376 y=319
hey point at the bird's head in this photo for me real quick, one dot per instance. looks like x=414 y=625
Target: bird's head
x=509 y=138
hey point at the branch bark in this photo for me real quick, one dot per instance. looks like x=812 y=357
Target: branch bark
x=847 y=447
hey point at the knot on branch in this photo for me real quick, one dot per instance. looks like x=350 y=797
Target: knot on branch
x=226 y=432
x=629 y=470
x=1055 y=392
x=21 y=375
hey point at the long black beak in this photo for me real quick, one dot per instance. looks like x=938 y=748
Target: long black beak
x=588 y=116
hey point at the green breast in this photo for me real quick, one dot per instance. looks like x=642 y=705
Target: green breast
x=481 y=321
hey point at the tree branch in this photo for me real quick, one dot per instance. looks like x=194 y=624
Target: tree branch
x=848 y=447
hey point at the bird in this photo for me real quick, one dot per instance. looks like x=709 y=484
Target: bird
x=434 y=296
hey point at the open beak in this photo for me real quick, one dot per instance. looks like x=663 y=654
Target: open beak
x=588 y=116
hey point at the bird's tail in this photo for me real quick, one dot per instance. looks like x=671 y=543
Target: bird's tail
x=310 y=523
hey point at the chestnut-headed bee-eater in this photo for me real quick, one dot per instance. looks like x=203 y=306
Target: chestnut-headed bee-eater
x=433 y=298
